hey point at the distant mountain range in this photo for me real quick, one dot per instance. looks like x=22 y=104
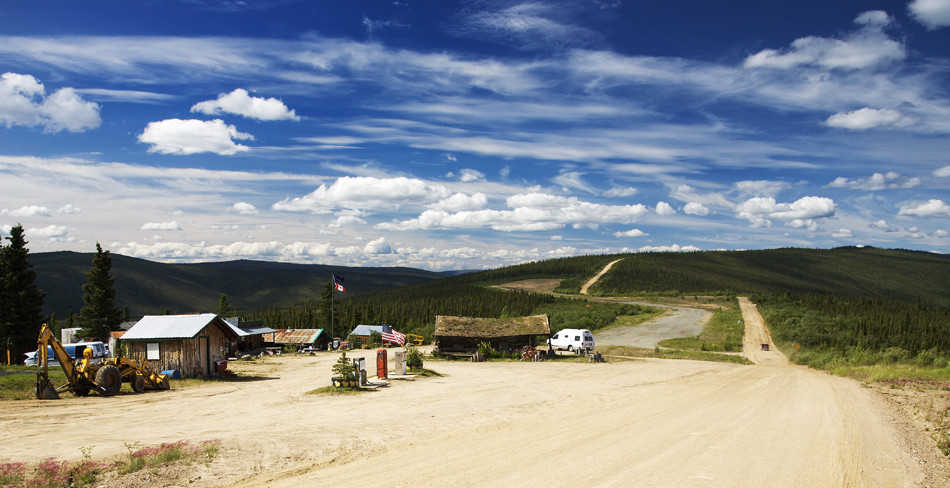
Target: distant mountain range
x=148 y=287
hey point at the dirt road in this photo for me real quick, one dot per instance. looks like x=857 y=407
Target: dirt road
x=679 y=322
x=593 y=280
x=556 y=423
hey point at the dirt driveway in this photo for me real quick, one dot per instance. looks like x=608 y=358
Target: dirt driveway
x=635 y=423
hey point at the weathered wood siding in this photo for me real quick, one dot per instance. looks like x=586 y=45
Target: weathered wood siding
x=184 y=354
x=470 y=344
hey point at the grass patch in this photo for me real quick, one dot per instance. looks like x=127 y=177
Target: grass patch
x=425 y=373
x=636 y=352
x=723 y=333
x=19 y=382
x=893 y=372
x=334 y=391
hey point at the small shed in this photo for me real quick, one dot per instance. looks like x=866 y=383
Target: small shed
x=363 y=334
x=463 y=334
x=299 y=338
x=187 y=343
x=250 y=334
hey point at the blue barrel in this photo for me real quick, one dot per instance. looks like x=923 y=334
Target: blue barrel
x=172 y=374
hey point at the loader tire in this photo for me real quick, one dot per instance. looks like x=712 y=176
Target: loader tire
x=138 y=383
x=109 y=380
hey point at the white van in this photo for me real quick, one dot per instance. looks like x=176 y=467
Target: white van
x=75 y=351
x=572 y=340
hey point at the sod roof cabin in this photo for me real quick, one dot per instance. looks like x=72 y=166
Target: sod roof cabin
x=463 y=334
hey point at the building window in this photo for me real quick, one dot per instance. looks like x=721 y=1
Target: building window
x=151 y=351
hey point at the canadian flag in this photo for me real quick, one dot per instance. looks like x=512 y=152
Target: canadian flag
x=339 y=287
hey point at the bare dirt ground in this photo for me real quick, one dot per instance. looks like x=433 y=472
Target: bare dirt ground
x=633 y=423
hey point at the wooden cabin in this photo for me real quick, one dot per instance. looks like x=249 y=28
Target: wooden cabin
x=250 y=335
x=463 y=334
x=298 y=338
x=191 y=344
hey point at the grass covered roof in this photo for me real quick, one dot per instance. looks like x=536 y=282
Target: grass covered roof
x=449 y=326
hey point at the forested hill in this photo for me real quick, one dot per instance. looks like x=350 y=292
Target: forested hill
x=906 y=276
x=147 y=287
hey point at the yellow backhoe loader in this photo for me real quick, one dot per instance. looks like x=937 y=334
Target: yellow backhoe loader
x=84 y=375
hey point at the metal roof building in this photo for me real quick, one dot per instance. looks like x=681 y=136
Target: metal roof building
x=170 y=326
x=296 y=336
x=192 y=344
x=365 y=330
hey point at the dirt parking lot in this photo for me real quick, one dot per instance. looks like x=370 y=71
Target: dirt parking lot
x=622 y=423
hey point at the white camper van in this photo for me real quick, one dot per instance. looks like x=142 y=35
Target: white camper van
x=572 y=340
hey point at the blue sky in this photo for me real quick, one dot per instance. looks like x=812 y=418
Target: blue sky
x=468 y=135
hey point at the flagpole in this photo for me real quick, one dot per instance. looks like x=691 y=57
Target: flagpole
x=332 y=292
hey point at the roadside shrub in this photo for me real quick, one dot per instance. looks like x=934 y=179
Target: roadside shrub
x=413 y=357
x=486 y=350
x=167 y=453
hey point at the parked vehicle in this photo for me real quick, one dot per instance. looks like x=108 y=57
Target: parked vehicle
x=572 y=340
x=99 y=352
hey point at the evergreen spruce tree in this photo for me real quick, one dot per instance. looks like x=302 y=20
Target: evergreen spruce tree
x=21 y=302
x=224 y=309
x=99 y=315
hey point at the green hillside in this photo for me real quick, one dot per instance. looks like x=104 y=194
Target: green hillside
x=905 y=276
x=821 y=299
x=147 y=287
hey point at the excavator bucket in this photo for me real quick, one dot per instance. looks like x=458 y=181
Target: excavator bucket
x=44 y=390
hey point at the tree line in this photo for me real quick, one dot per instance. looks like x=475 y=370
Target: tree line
x=413 y=308
x=824 y=321
x=21 y=301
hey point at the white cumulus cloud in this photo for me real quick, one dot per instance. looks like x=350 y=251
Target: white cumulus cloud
x=664 y=209
x=866 y=47
x=378 y=246
x=801 y=213
x=173 y=225
x=933 y=14
x=527 y=212
x=177 y=136
x=239 y=102
x=931 y=208
x=461 y=201
x=630 y=233
x=23 y=101
x=27 y=211
x=868 y=118
x=696 y=208
x=55 y=232
x=244 y=208
x=364 y=192
x=943 y=172
x=843 y=233
x=883 y=226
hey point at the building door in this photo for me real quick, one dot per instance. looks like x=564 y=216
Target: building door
x=203 y=354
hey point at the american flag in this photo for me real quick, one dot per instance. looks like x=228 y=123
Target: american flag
x=393 y=336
